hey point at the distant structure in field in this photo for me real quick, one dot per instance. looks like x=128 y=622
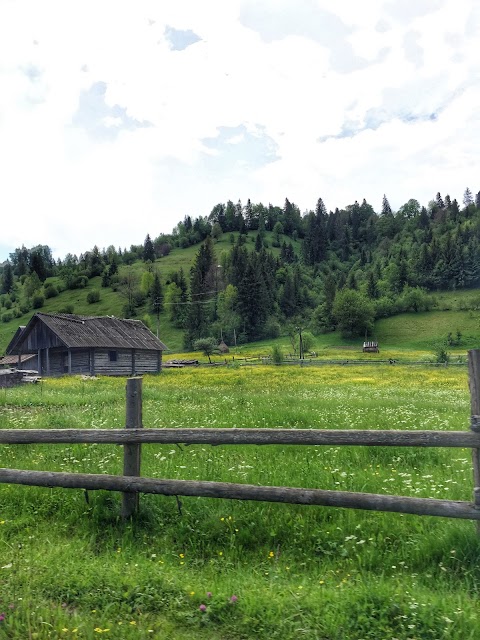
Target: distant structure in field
x=371 y=347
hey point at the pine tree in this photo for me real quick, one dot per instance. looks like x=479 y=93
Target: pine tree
x=439 y=201
x=386 y=208
x=372 y=288
x=7 y=281
x=201 y=291
x=148 y=250
x=467 y=197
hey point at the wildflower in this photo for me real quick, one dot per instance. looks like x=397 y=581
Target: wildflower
x=132 y=622
x=181 y=555
x=2 y=617
x=209 y=594
x=271 y=554
x=203 y=608
x=233 y=599
x=192 y=593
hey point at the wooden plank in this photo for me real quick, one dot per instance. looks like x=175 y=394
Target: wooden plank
x=288 y=495
x=132 y=452
x=384 y=438
x=474 y=385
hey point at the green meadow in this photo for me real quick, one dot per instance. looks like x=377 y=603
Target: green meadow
x=216 y=569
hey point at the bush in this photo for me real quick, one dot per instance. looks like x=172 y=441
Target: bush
x=17 y=312
x=38 y=301
x=7 y=302
x=384 y=307
x=277 y=354
x=79 y=282
x=7 y=316
x=272 y=328
x=93 y=296
x=25 y=307
x=50 y=290
x=441 y=354
x=353 y=312
x=68 y=308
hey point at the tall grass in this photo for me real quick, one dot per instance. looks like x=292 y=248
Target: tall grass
x=207 y=568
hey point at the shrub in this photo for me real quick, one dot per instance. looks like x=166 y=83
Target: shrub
x=7 y=316
x=7 y=302
x=25 y=306
x=208 y=346
x=93 y=296
x=38 y=301
x=17 y=312
x=68 y=308
x=277 y=354
x=50 y=290
x=441 y=354
x=271 y=328
x=79 y=282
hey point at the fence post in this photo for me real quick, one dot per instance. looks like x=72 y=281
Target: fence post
x=474 y=384
x=132 y=452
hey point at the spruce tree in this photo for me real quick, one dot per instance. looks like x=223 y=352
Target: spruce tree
x=148 y=250
x=7 y=281
x=386 y=208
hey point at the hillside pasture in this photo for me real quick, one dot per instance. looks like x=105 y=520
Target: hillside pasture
x=214 y=569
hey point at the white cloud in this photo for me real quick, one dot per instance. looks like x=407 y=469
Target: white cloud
x=268 y=92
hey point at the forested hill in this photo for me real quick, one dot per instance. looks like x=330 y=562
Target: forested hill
x=250 y=270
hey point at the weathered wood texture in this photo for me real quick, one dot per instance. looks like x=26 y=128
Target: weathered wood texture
x=129 y=362
x=388 y=438
x=132 y=452
x=320 y=497
x=474 y=384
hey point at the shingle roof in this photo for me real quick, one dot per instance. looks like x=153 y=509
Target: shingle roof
x=90 y=331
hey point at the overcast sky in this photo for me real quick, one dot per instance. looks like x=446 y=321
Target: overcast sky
x=119 y=117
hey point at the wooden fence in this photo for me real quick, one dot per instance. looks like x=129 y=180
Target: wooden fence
x=131 y=484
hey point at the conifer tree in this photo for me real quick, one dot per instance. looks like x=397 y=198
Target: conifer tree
x=148 y=250
x=7 y=281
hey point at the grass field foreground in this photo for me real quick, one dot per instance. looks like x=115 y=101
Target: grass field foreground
x=204 y=568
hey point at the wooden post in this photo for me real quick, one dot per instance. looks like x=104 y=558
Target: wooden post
x=474 y=384
x=132 y=452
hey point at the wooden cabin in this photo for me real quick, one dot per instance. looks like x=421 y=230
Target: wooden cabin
x=71 y=344
x=371 y=347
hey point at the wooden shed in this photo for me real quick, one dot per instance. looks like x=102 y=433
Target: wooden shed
x=371 y=347
x=27 y=361
x=71 y=344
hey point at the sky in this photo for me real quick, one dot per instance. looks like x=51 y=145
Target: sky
x=120 y=117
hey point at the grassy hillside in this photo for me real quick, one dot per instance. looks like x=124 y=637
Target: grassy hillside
x=111 y=302
x=410 y=332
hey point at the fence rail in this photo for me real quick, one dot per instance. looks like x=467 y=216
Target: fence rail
x=215 y=437
x=134 y=435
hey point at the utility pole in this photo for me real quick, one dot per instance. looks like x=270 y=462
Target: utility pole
x=299 y=329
